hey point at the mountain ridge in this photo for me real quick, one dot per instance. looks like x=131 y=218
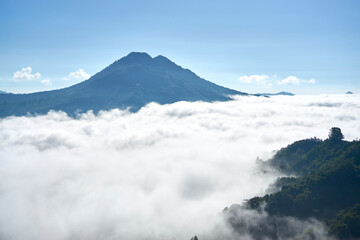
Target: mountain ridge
x=130 y=82
x=282 y=93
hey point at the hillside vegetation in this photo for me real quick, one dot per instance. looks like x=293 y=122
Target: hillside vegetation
x=327 y=186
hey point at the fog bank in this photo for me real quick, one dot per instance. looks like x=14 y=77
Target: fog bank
x=165 y=172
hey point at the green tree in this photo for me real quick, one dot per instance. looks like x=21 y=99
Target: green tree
x=335 y=135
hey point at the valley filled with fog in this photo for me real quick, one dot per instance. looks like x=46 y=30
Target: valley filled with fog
x=164 y=172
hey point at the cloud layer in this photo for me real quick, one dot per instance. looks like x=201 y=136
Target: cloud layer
x=164 y=172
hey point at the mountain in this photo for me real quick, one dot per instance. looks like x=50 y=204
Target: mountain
x=131 y=82
x=348 y=92
x=327 y=186
x=274 y=94
x=3 y=92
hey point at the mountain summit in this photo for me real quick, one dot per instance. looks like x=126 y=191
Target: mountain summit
x=132 y=81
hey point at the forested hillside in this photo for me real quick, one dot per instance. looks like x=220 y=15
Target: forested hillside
x=327 y=186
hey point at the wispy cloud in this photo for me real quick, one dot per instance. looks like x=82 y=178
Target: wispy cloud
x=253 y=224
x=311 y=81
x=292 y=80
x=25 y=74
x=257 y=79
x=46 y=82
x=269 y=81
x=79 y=74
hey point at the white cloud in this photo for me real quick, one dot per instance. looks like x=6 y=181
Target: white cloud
x=311 y=81
x=254 y=79
x=78 y=74
x=25 y=74
x=164 y=172
x=46 y=82
x=290 y=80
x=258 y=79
x=267 y=81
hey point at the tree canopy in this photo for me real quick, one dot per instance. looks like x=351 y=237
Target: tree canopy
x=335 y=135
x=327 y=187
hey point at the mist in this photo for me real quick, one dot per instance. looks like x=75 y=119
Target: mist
x=165 y=172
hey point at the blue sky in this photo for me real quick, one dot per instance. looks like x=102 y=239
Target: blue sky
x=306 y=47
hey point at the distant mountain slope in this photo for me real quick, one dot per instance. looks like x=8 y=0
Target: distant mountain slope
x=132 y=81
x=275 y=94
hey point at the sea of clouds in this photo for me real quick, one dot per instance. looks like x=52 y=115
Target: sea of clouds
x=165 y=172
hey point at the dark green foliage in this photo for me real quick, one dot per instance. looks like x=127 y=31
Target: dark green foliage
x=309 y=156
x=347 y=222
x=328 y=187
x=320 y=195
x=335 y=135
x=289 y=159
